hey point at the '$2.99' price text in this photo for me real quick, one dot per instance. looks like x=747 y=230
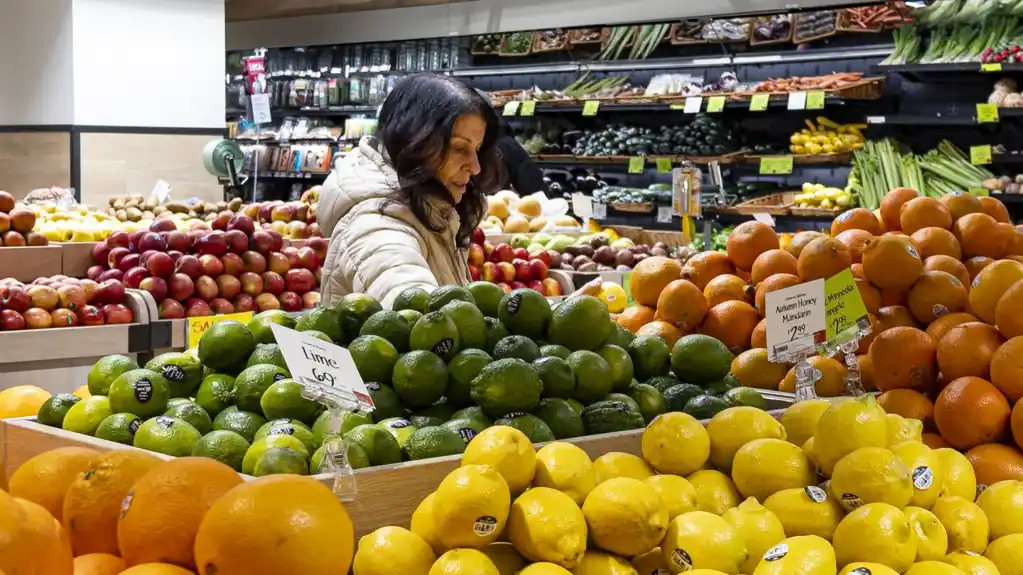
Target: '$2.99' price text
x=797 y=331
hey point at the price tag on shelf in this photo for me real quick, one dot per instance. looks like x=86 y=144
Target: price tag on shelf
x=797 y=101
x=260 y=108
x=843 y=307
x=715 y=104
x=511 y=108
x=795 y=319
x=875 y=119
x=776 y=165
x=987 y=114
x=582 y=206
x=664 y=214
x=599 y=211
x=991 y=67
x=196 y=326
x=759 y=102
x=637 y=164
x=590 y=107
x=528 y=108
x=764 y=219
x=664 y=165
x=980 y=192
x=693 y=105
x=980 y=155
x=319 y=363
x=815 y=100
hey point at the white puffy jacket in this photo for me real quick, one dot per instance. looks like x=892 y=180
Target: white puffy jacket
x=379 y=247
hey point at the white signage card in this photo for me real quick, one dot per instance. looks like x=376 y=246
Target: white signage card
x=260 y=108
x=582 y=206
x=693 y=104
x=664 y=214
x=764 y=219
x=324 y=365
x=599 y=211
x=797 y=101
x=795 y=319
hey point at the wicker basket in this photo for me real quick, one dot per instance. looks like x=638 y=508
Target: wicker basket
x=504 y=42
x=685 y=41
x=476 y=52
x=795 y=26
x=783 y=40
x=815 y=212
x=844 y=24
x=650 y=237
x=776 y=204
x=642 y=208
x=576 y=38
x=562 y=46
x=743 y=40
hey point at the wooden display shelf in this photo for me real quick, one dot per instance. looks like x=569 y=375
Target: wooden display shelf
x=76 y=258
x=28 y=263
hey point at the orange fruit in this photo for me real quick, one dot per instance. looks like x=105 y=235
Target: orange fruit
x=732 y=323
x=979 y=235
x=995 y=462
x=1016 y=423
x=939 y=327
x=967 y=349
x=894 y=297
x=831 y=383
x=970 y=412
x=866 y=372
x=891 y=263
x=58 y=557
x=753 y=369
x=23 y=543
x=650 y=276
x=635 y=317
x=157 y=569
x=891 y=207
x=1007 y=369
x=856 y=219
x=303 y=528
x=705 y=266
x=98 y=564
x=975 y=265
x=854 y=240
x=800 y=241
x=823 y=258
x=1015 y=245
x=870 y=294
x=747 y=241
x=934 y=441
x=924 y=212
x=936 y=294
x=772 y=262
x=857 y=271
x=948 y=264
x=759 y=336
x=682 y=304
x=93 y=500
x=661 y=329
x=994 y=208
x=742 y=274
x=895 y=316
x=903 y=357
x=727 y=288
x=164 y=508
x=45 y=478
x=990 y=284
x=961 y=203
x=907 y=403
x=773 y=283
x=22 y=401
x=880 y=220
x=1009 y=311
x=937 y=241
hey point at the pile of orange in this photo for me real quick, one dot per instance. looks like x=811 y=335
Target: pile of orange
x=76 y=511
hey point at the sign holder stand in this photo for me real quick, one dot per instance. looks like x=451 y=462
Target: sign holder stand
x=335 y=456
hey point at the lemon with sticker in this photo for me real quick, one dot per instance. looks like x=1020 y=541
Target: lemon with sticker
x=470 y=507
x=871 y=475
x=808 y=511
x=925 y=469
x=701 y=540
x=805 y=554
x=864 y=568
x=613 y=296
x=759 y=528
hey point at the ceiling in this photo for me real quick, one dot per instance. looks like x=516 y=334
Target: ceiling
x=241 y=10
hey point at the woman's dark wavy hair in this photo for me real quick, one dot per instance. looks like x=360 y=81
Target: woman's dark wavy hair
x=415 y=127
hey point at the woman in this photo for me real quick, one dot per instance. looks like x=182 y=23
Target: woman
x=401 y=208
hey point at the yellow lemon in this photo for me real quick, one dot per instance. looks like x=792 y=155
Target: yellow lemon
x=848 y=425
x=925 y=467
x=803 y=555
x=422 y=524
x=808 y=511
x=800 y=419
x=965 y=523
x=625 y=516
x=82 y=392
x=763 y=467
x=598 y=563
x=393 y=550
x=934 y=568
x=759 y=528
x=715 y=492
x=544 y=569
x=678 y=495
x=1007 y=554
x=22 y=401
x=736 y=426
x=544 y=524
x=971 y=563
x=931 y=537
x=676 y=443
x=701 y=540
x=567 y=468
x=650 y=563
x=613 y=296
x=871 y=475
x=463 y=562
x=1002 y=502
x=505 y=558
x=957 y=475
x=617 y=464
x=901 y=429
x=876 y=532
x=808 y=451
x=470 y=507
x=867 y=569
x=507 y=450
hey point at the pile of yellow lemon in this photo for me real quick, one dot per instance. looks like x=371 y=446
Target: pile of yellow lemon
x=820 y=196
x=742 y=495
x=827 y=137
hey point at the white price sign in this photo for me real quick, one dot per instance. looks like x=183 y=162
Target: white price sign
x=693 y=104
x=599 y=211
x=321 y=364
x=764 y=219
x=260 y=108
x=582 y=206
x=664 y=214
x=795 y=319
x=797 y=101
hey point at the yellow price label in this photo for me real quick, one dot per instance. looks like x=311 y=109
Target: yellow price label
x=776 y=165
x=987 y=113
x=196 y=326
x=636 y=165
x=843 y=304
x=715 y=104
x=759 y=102
x=815 y=100
x=991 y=67
x=980 y=155
x=664 y=165
x=627 y=286
x=528 y=108
x=980 y=191
x=511 y=108
x=590 y=107
x=678 y=106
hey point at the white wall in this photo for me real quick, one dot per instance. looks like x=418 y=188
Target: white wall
x=148 y=63
x=482 y=16
x=35 y=62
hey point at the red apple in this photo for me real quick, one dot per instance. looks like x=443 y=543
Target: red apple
x=110 y=275
x=244 y=302
x=488 y=272
x=189 y=265
x=273 y=282
x=211 y=265
x=71 y=297
x=488 y=250
x=254 y=262
x=310 y=299
x=476 y=256
x=37 y=318
x=242 y=223
x=160 y=265
x=95 y=271
x=517 y=285
x=228 y=286
x=63 y=318
x=175 y=255
x=129 y=261
x=251 y=283
x=507 y=288
x=538 y=269
x=116 y=240
x=171 y=309
x=221 y=305
x=109 y=292
x=543 y=256
x=308 y=258
x=505 y=272
x=474 y=273
x=212 y=243
x=133 y=239
x=11 y=320
x=101 y=251
x=206 y=288
x=319 y=245
x=15 y=298
x=537 y=285
x=91 y=315
x=552 y=257
x=291 y=252
x=314 y=229
x=265 y=301
x=144 y=257
x=44 y=297
x=178 y=241
x=299 y=280
x=298 y=230
x=522 y=271
x=221 y=220
x=196 y=307
x=152 y=241
x=237 y=241
x=262 y=242
x=290 y=301
x=503 y=253
x=162 y=225
x=89 y=287
x=115 y=256
x=478 y=237
x=156 y=286
x=522 y=253
x=180 y=287
x=278 y=263
x=234 y=265
x=278 y=244
x=266 y=210
x=553 y=287
x=117 y=314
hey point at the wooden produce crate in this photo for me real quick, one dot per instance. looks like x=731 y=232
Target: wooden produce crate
x=773 y=204
x=76 y=258
x=28 y=263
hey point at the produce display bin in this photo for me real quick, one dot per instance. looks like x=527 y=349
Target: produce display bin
x=76 y=258
x=28 y=263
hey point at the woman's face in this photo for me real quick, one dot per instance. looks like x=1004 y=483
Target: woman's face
x=461 y=162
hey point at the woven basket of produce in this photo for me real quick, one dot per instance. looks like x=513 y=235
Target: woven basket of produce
x=864 y=20
x=774 y=204
x=687 y=32
x=866 y=89
x=643 y=208
x=553 y=40
x=582 y=36
x=815 y=212
x=812 y=26
x=768 y=30
x=515 y=44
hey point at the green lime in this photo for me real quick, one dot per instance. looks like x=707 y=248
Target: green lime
x=663 y=382
x=578 y=407
x=431 y=442
x=343 y=451
x=119 y=428
x=174 y=401
x=420 y=378
x=472 y=329
x=54 y=409
x=621 y=365
x=437 y=333
x=487 y=296
x=610 y=416
x=291 y=427
x=517 y=346
x=225 y=446
x=650 y=357
x=474 y=413
x=269 y=354
x=526 y=312
x=216 y=393
x=465 y=366
x=259 y=325
x=723 y=385
x=561 y=418
x=182 y=371
x=677 y=396
x=226 y=344
x=250 y=385
x=355 y=309
x=410 y=317
x=580 y=323
x=557 y=377
x=506 y=386
x=261 y=446
x=746 y=396
x=390 y=326
x=622 y=398
x=167 y=435
x=496 y=331
x=243 y=423
x=444 y=294
x=106 y=370
x=413 y=298
x=192 y=414
x=399 y=427
x=140 y=391
x=280 y=460
x=619 y=336
x=534 y=427
x=283 y=400
x=442 y=410
x=385 y=401
x=322 y=319
x=337 y=423
x=380 y=446
x=705 y=406
x=592 y=376
x=318 y=335
x=551 y=350
x=700 y=359
x=651 y=402
x=374 y=357
x=466 y=428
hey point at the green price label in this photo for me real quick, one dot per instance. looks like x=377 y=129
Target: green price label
x=528 y=108
x=678 y=106
x=815 y=100
x=991 y=67
x=843 y=305
x=715 y=104
x=759 y=102
x=511 y=108
x=980 y=155
x=980 y=191
x=987 y=114
x=590 y=107
x=627 y=286
x=636 y=165
x=664 y=165
x=776 y=165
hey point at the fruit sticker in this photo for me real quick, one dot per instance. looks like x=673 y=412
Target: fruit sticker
x=399 y=424
x=444 y=347
x=514 y=414
x=980 y=489
x=166 y=422
x=134 y=426
x=372 y=386
x=467 y=434
x=680 y=560
x=777 y=552
x=143 y=390
x=851 y=502
x=514 y=302
x=282 y=430
x=485 y=525
x=816 y=494
x=939 y=310
x=173 y=373
x=923 y=478
x=861 y=571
